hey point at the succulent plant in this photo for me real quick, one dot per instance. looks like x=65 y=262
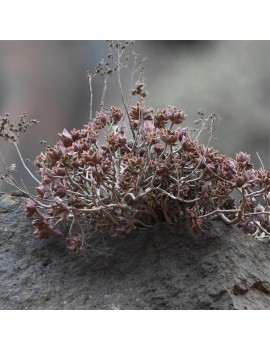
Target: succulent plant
x=164 y=175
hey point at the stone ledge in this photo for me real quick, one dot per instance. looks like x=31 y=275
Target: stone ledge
x=168 y=267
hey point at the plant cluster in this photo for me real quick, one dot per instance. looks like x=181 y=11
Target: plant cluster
x=163 y=175
x=136 y=167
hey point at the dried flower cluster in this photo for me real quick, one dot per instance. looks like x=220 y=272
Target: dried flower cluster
x=10 y=132
x=164 y=174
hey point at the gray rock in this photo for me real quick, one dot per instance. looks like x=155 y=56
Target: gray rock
x=168 y=267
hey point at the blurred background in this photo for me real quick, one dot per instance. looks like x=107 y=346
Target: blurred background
x=48 y=81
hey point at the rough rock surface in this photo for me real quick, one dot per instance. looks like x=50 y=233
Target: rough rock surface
x=169 y=267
